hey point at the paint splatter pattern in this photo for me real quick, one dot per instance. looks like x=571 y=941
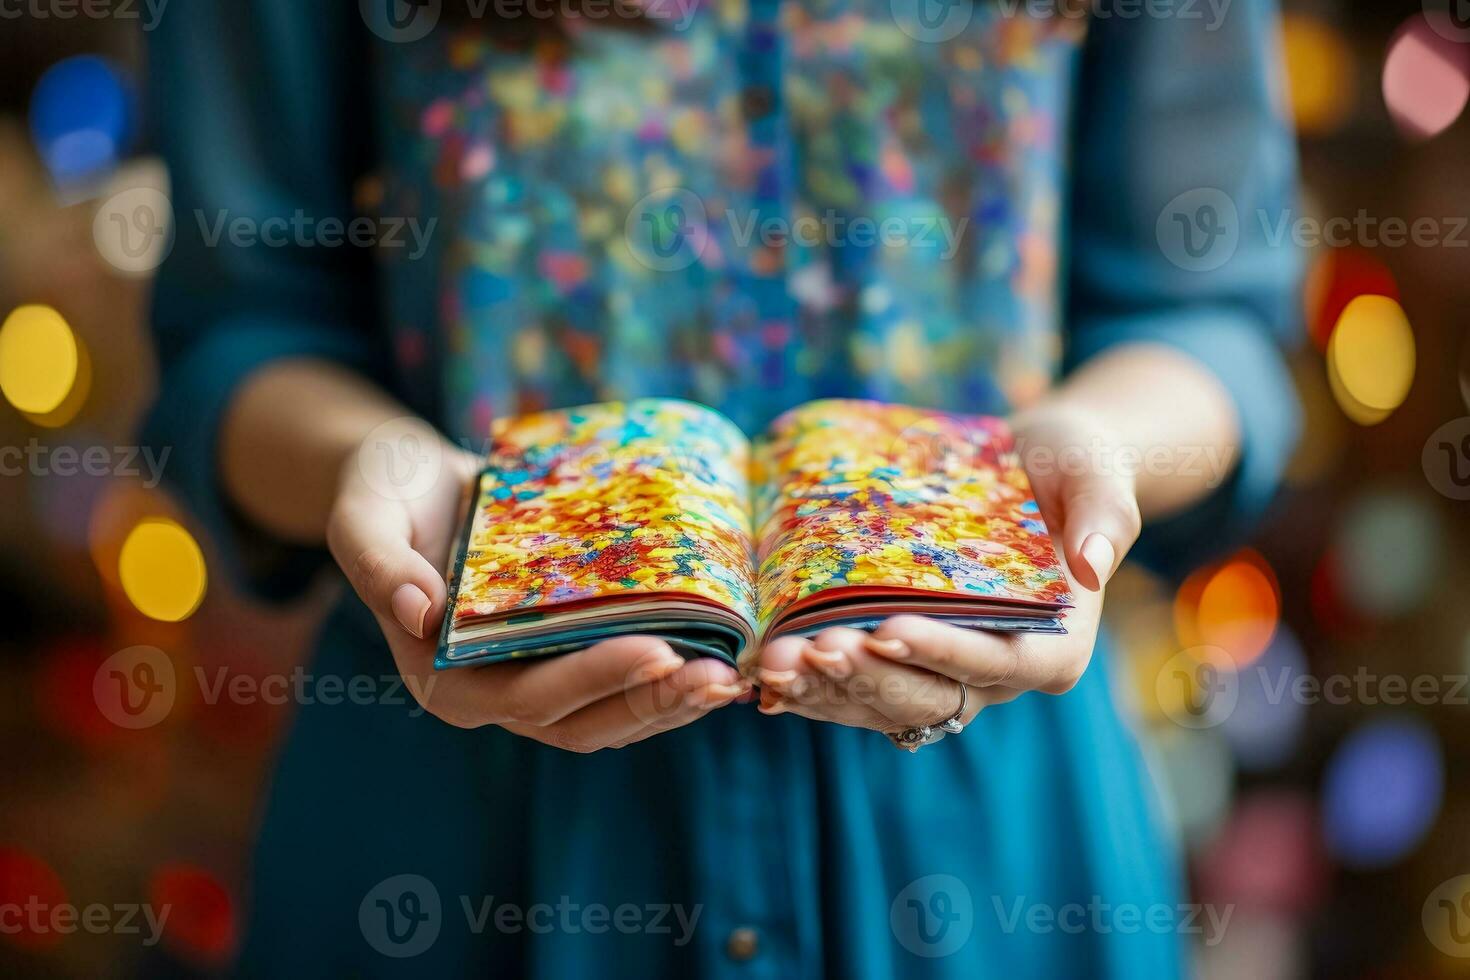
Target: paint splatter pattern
x=655 y=496
x=858 y=493
x=646 y=496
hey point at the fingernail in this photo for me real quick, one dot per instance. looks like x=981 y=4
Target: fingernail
x=833 y=663
x=1097 y=551
x=719 y=695
x=748 y=697
x=775 y=678
x=660 y=667
x=410 y=608
x=894 y=649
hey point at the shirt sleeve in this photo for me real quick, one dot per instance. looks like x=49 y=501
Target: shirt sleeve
x=1185 y=164
x=256 y=109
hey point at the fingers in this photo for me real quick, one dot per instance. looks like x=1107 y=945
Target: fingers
x=371 y=541
x=983 y=659
x=1100 y=522
x=696 y=689
x=541 y=692
x=838 y=678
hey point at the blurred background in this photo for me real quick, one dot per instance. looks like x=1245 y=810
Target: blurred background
x=1304 y=703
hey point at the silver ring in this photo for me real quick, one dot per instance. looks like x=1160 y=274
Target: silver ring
x=912 y=739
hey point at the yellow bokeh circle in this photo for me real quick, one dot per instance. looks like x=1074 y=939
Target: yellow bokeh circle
x=1319 y=73
x=39 y=358
x=1370 y=358
x=162 y=570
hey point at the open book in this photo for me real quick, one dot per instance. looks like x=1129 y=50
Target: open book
x=660 y=517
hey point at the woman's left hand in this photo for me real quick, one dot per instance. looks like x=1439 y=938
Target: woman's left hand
x=908 y=672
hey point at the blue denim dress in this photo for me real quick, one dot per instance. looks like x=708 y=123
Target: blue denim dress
x=749 y=203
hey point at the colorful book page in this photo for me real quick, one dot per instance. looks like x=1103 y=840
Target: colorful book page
x=647 y=496
x=862 y=494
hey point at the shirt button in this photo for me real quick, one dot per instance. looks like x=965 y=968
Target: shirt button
x=743 y=944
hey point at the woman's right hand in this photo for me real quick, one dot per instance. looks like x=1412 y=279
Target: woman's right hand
x=391 y=527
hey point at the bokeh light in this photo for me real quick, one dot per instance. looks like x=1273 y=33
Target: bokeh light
x=1337 y=277
x=81 y=118
x=1388 y=551
x=1234 y=605
x=1264 y=729
x=1319 y=453
x=39 y=359
x=1381 y=792
x=1465 y=372
x=1370 y=359
x=1426 y=79
x=1197 y=775
x=201 y=927
x=162 y=571
x=63 y=691
x=1267 y=857
x=1319 y=73
x=25 y=879
x=1256 y=946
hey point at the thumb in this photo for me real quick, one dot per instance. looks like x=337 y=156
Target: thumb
x=370 y=541
x=1100 y=522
